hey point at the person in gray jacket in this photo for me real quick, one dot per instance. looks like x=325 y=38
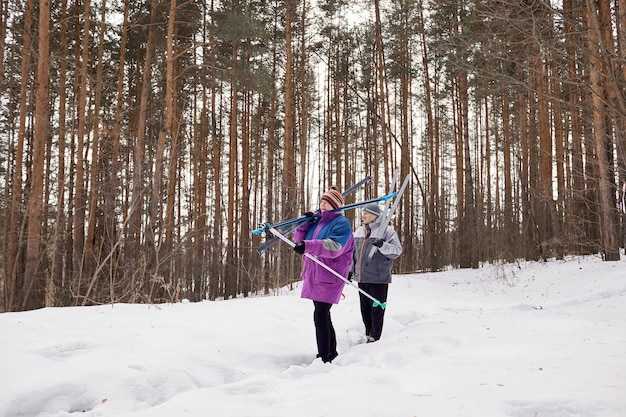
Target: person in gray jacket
x=374 y=274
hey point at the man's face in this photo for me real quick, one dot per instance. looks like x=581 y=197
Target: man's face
x=367 y=217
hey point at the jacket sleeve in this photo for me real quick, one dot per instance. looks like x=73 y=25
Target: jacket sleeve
x=391 y=248
x=333 y=244
x=300 y=233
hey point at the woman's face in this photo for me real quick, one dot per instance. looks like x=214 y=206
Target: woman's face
x=325 y=205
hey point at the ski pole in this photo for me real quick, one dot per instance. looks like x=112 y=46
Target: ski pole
x=377 y=303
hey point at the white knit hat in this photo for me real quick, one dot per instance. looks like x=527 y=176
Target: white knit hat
x=372 y=208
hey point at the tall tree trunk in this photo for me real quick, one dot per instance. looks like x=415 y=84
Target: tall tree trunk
x=60 y=255
x=405 y=149
x=304 y=109
x=289 y=194
x=217 y=261
x=33 y=288
x=80 y=196
x=545 y=199
x=231 y=277
x=621 y=146
x=114 y=182
x=488 y=252
x=510 y=226
x=576 y=205
x=459 y=149
x=468 y=239
x=271 y=278
x=169 y=274
x=199 y=160
x=158 y=229
x=382 y=94
x=469 y=248
x=289 y=163
x=598 y=15
x=133 y=237
x=431 y=260
x=247 y=277
x=92 y=252
x=560 y=143
x=16 y=279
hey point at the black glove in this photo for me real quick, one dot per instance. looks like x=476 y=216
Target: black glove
x=350 y=276
x=377 y=242
x=299 y=248
x=313 y=216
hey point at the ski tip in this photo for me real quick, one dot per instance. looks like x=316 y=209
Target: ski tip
x=389 y=197
x=263 y=227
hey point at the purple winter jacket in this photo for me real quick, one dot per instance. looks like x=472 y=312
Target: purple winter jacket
x=330 y=240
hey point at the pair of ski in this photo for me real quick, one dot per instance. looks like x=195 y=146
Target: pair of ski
x=387 y=213
x=292 y=224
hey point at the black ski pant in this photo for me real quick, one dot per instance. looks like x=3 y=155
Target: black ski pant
x=373 y=316
x=324 y=332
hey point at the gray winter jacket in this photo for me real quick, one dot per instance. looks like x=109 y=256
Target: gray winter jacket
x=378 y=269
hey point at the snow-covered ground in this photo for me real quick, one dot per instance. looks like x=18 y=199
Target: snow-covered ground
x=519 y=340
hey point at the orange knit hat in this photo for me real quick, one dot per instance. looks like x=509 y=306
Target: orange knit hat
x=334 y=197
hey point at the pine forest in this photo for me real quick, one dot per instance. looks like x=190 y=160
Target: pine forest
x=142 y=141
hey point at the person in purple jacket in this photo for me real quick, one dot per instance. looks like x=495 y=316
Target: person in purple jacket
x=329 y=238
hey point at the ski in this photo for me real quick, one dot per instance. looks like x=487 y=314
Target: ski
x=392 y=187
x=270 y=242
x=264 y=227
x=387 y=215
x=376 y=303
